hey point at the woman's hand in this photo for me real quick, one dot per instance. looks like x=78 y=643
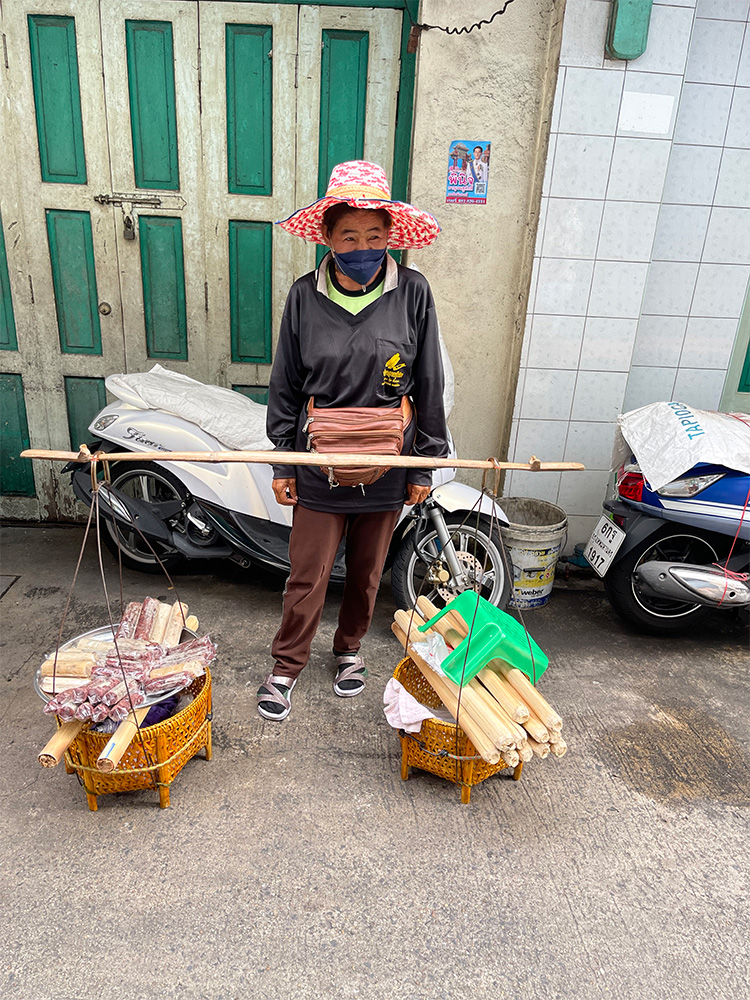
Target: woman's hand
x=416 y=494
x=285 y=491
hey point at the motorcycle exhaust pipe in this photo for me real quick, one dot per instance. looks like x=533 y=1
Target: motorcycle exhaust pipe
x=696 y=584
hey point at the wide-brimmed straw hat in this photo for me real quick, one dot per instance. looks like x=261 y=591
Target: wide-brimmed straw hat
x=364 y=185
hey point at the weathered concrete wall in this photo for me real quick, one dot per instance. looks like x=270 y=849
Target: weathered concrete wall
x=494 y=84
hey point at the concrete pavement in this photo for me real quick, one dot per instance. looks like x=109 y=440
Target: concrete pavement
x=298 y=864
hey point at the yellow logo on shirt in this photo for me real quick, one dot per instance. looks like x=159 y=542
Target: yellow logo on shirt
x=392 y=373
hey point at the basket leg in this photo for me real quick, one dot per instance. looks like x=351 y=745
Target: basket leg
x=404 y=759
x=161 y=754
x=468 y=774
x=517 y=771
x=88 y=783
x=209 y=744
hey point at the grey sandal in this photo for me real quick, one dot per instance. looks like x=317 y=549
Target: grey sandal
x=350 y=676
x=274 y=701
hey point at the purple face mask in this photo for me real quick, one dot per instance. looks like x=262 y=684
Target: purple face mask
x=360 y=265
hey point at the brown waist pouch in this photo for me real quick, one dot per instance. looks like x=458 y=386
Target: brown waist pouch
x=365 y=430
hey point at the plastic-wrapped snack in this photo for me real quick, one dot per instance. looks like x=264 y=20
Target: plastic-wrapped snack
x=194 y=649
x=66 y=712
x=194 y=668
x=158 y=685
x=126 y=628
x=119 y=691
x=99 y=687
x=84 y=711
x=100 y=712
x=146 y=619
x=80 y=694
x=119 y=711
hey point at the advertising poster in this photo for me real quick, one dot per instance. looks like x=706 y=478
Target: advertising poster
x=468 y=172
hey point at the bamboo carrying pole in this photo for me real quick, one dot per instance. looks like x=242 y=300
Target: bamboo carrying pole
x=122 y=737
x=343 y=460
x=53 y=752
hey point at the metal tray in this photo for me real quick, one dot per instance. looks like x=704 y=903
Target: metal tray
x=105 y=634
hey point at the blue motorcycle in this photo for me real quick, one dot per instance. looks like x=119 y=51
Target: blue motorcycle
x=670 y=556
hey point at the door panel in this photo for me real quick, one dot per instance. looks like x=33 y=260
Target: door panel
x=249 y=110
x=348 y=63
x=150 y=59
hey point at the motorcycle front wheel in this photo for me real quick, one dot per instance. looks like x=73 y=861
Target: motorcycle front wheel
x=149 y=484
x=482 y=557
x=645 y=612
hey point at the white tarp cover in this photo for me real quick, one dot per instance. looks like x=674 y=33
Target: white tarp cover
x=236 y=421
x=668 y=439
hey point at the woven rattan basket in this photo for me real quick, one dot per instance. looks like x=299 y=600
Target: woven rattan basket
x=435 y=736
x=169 y=745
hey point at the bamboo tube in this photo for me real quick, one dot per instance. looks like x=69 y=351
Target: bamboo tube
x=517 y=679
x=558 y=749
x=69 y=667
x=539 y=749
x=505 y=695
x=511 y=758
x=343 y=460
x=122 y=737
x=490 y=704
x=483 y=745
x=191 y=623
x=175 y=623
x=161 y=620
x=536 y=730
x=482 y=709
x=525 y=753
x=53 y=752
x=555 y=736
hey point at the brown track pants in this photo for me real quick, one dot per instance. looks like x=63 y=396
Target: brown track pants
x=312 y=549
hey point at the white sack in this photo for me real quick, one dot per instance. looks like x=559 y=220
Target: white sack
x=238 y=422
x=668 y=439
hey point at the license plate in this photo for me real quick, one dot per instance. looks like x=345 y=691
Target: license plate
x=606 y=539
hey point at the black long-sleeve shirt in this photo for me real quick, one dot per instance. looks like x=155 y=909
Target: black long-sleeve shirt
x=388 y=350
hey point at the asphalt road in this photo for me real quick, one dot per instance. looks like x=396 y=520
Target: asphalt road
x=297 y=863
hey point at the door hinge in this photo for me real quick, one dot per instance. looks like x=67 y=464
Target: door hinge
x=296 y=67
x=31 y=289
x=5 y=50
x=205 y=295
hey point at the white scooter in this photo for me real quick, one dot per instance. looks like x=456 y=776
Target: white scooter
x=189 y=510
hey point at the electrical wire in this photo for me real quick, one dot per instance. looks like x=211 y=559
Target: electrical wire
x=465 y=30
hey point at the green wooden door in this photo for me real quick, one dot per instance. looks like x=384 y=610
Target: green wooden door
x=153 y=145
x=61 y=286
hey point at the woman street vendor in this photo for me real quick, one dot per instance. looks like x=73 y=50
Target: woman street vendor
x=360 y=331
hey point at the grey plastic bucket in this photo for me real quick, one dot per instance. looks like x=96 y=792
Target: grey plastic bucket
x=535 y=538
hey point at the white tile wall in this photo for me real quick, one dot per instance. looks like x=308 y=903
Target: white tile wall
x=638 y=169
x=692 y=175
x=643 y=247
x=581 y=165
x=607 y=344
x=659 y=341
x=703 y=114
x=670 y=288
x=700 y=388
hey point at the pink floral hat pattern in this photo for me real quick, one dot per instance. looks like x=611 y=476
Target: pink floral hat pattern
x=365 y=185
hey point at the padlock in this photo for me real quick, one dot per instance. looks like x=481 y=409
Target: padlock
x=128 y=224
